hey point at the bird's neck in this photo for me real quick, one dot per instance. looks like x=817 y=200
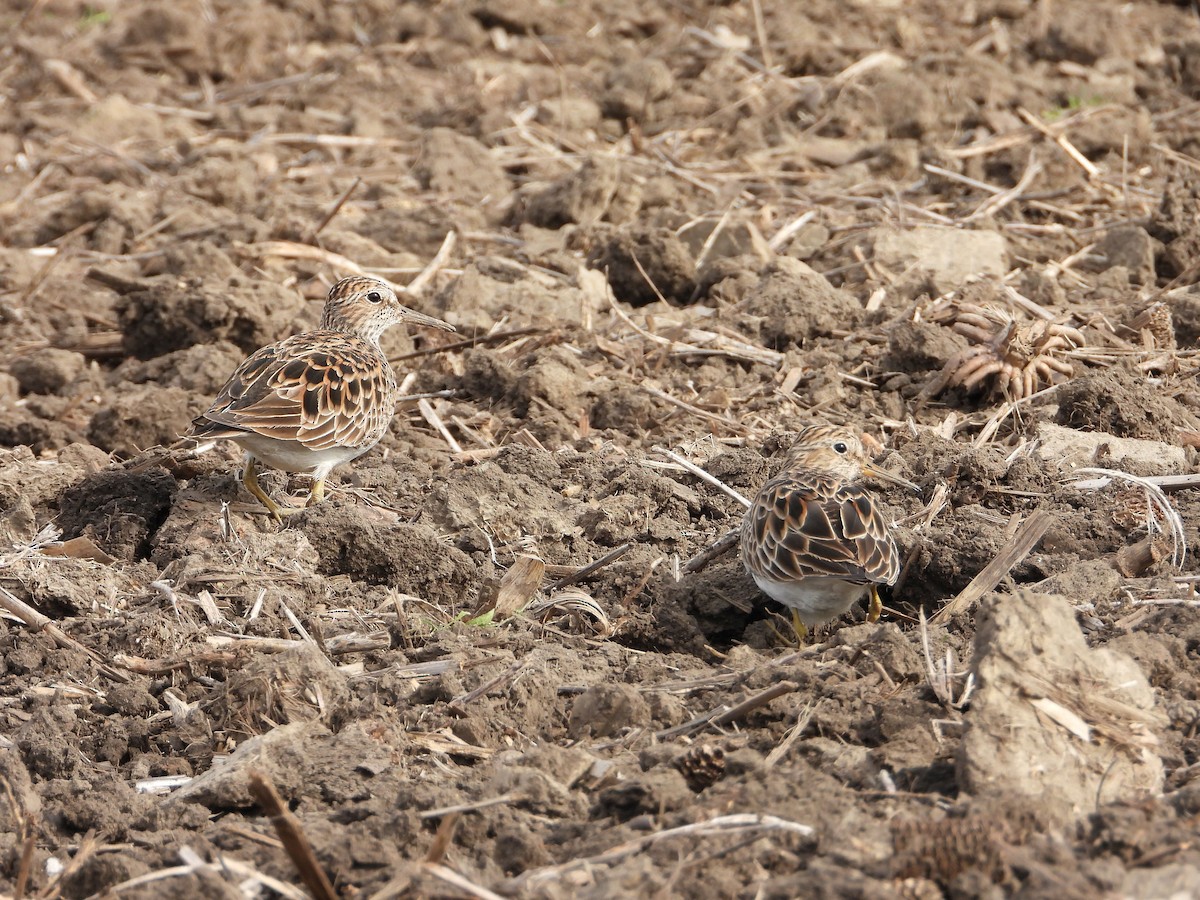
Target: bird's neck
x=368 y=331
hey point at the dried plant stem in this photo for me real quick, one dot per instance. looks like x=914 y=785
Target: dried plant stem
x=694 y=410
x=591 y=568
x=993 y=205
x=702 y=475
x=719 y=547
x=470 y=807
x=492 y=337
x=1065 y=145
x=25 y=865
x=793 y=734
x=1013 y=552
x=418 y=284
x=430 y=415
x=287 y=827
x=337 y=206
x=723 y=715
x=35 y=621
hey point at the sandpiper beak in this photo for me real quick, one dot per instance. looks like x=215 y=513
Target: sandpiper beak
x=411 y=315
x=872 y=471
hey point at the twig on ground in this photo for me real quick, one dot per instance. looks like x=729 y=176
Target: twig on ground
x=702 y=475
x=492 y=337
x=793 y=734
x=1061 y=139
x=993 y=205
x=719 y=547
x=591 y=568
x=723 y=714
x=729 y=423
x=295 y=843
x=35 y=621
x=453 y=879
x=780 y=238
x=1010 y=554
x=470 y=807
x=417 y=285
x=429 y=414
x=336 y=208
x=444 y=836
x=505 y=677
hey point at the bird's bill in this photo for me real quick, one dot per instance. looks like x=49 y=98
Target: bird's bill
x=872 y=471
x=411 y=315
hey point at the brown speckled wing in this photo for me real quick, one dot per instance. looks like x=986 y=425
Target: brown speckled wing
x=321 y=389
x=804 y=524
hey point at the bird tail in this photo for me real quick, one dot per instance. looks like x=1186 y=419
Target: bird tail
x=200 y=438
x=207 y=430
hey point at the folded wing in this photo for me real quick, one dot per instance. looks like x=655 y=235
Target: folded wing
x=322 y=394
x=800 y=528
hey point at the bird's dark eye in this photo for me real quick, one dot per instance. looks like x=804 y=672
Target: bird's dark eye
x=841 y=447
x=375 y=297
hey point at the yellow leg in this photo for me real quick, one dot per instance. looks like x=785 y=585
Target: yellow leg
x=875 y=607
x=800 y=627
x=317 y=492
x=250 y=480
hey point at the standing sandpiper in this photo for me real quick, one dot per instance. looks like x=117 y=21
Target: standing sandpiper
x=814 y=539
x=318 y=399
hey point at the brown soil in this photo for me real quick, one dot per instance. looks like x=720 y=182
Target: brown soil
x=667 y=235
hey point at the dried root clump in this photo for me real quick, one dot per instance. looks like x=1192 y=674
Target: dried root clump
x=1018 y=358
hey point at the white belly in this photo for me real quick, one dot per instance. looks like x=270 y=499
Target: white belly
x=292 y=457
x=816 y=598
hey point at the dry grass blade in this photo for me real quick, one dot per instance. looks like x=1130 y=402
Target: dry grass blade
x=221 y=866
x=993 y=205
x=417 y=285
x=505 y=678
x=294 y=250
x=429 y=414
x=1010 y=554
x=943 y=674
x=287 y=826
x=793 y=734
x=336 y=207
x=1067 y=147
x=458 y=808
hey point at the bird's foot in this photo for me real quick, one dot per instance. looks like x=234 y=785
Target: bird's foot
x=250 y=480
x=316 y=493
x=875 y=607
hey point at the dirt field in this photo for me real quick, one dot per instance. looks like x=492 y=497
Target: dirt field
x=968 y=228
